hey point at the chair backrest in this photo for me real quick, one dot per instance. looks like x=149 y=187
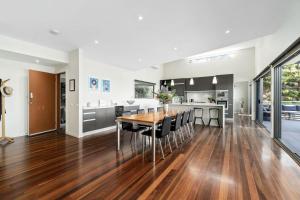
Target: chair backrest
x=134 y=112
x=126 y=125
x=140 y=111
x=178 y=121
x=191 y=116
x=166 y=127
x=198 y=112
x=214 y=112
x=185 y=116
x=160 y=109
x=150 y=110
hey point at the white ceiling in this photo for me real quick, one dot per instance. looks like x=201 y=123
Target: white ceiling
x=193 y=26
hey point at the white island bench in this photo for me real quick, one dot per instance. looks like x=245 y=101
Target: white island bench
x=205 y=107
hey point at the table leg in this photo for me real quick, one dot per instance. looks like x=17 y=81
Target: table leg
x=118 y=131
x=153 y=142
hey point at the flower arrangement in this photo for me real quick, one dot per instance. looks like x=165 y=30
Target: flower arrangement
x=165 y=96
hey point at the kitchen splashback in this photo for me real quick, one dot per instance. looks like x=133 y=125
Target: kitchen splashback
x=201 y=96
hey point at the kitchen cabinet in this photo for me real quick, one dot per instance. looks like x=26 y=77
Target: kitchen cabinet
x=200 y=84
x=179 y=86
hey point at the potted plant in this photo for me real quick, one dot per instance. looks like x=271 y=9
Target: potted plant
x=165 y=97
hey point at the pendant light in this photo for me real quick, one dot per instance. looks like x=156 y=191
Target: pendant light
x=172 y=82
x=215 y=80
x=165 y=83
x=191 y=81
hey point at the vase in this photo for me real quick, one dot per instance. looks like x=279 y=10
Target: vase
x=166 y=108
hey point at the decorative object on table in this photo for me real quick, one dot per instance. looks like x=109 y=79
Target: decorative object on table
x=211 y=100
x=130 y=102
x=5 y=91
x=106 y=86
x=72 y=85
x=94 y=83
x=165 y=97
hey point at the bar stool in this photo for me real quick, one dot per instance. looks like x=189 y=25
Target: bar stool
x=200 y=116
x=214 y=117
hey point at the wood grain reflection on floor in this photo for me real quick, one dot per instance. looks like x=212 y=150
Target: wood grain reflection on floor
x=240 y=161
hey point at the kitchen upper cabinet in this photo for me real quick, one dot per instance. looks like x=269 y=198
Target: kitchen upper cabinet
x=179 y=86
x=200 y=84
x=225 y=82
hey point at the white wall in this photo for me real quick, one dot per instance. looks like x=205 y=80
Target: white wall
x=122 y=82
x=17 y=105
x=269 y=47
x=240 y=93
x=242 y=66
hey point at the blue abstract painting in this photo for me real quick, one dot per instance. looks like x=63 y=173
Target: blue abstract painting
x=106 y=86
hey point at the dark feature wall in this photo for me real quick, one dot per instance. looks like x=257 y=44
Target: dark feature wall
x=225 y=82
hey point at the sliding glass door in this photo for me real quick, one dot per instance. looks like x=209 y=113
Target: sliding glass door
x=289 y=117
x=263 y=101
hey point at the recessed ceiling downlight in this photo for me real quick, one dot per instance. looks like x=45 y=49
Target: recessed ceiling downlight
x=96 y=41
x=227 y=31
x=140 y=17
x=54 y=32
x=37 y=61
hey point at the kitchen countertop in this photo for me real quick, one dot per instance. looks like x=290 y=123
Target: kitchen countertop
x=99 y=107
x=198 y=104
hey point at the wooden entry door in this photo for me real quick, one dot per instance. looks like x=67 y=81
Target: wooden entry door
x=42 y=100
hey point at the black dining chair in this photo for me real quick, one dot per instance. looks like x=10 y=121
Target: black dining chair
x=140 y=111
x=130 y=127
x=162 y=133
x=190 y=122
x=184 y=120
x=175 y=126
x=151 y=110
x=160 y=109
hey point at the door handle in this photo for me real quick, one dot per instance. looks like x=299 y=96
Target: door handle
x=30 y=97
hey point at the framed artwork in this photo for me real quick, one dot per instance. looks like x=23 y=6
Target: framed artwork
x=72 y=85
x=105 y=86
x=94 y=83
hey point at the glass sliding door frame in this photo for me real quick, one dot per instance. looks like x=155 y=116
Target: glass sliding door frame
x=286 y=56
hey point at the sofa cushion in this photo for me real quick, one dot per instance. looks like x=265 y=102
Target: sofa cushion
x=289 y=108
x=298 y=108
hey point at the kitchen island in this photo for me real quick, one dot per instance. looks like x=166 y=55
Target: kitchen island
x=205 y=107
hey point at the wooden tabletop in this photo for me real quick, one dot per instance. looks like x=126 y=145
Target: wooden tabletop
x=155 y=117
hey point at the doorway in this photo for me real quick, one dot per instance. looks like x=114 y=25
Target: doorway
x=61 y=99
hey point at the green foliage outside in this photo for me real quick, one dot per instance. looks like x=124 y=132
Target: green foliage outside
x=290 y=85
x=165 y=96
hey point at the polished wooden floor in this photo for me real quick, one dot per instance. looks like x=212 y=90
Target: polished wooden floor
x=238 y=162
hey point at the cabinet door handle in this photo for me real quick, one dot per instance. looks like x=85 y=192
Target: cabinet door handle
x=89 y=113
x=89 y=120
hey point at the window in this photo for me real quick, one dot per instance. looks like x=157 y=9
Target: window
x=143 y=90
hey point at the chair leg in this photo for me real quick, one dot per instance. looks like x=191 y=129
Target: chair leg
x=181 y=133
x=143 y=142
x=203 y=124
x=180 y=136
x=162 y=151
x=168 y=138
x=209 y=122
x=175 y=139
x=189 y=130
x=131 y=137
x=218 y=122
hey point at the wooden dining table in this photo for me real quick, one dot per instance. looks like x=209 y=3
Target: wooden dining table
x=149 y=119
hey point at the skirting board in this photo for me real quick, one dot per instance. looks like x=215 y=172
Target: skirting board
x=106 y=130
